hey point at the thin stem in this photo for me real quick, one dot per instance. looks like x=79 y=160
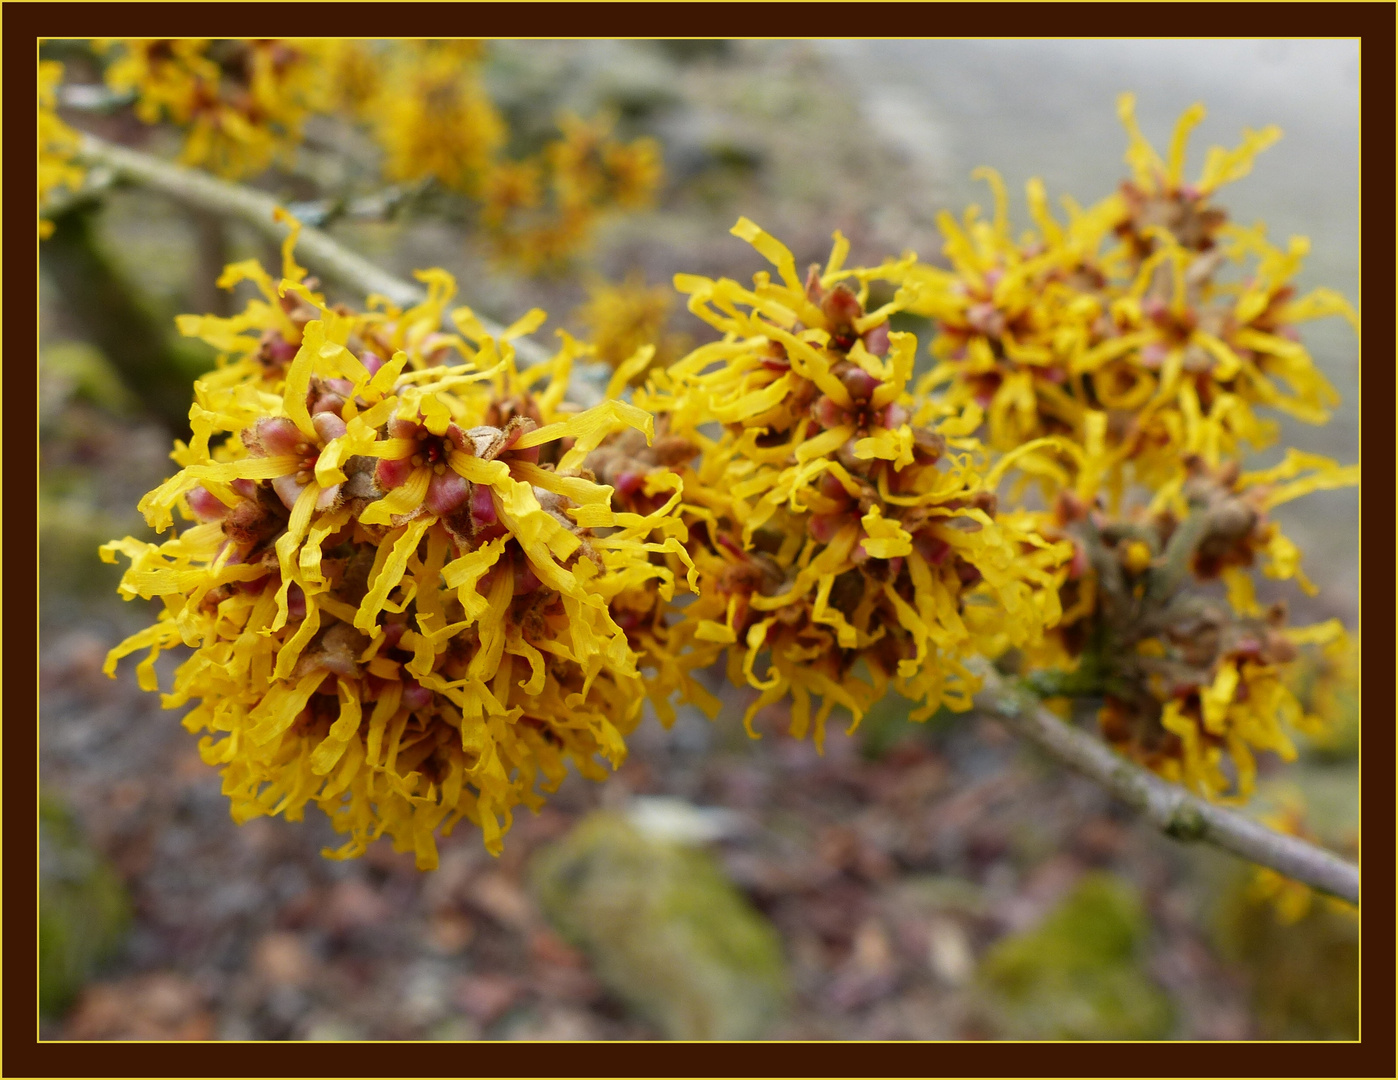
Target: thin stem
x=1174 y=564
x=93 y=98
x=381 y=206
x=1169 y=807
x=317 y=249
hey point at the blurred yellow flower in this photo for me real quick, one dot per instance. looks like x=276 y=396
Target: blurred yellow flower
x=1290 y=900
x=542 y=210
x=242 y=103
x=433 y=116
x=57 y=141
x=624 y=318
x=1194 y=685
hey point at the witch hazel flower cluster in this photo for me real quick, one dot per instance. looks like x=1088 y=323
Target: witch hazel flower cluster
x=418 y=583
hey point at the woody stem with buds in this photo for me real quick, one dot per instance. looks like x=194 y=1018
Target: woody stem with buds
x=1169 y=807
x=1174 y=566
x=1174 y=810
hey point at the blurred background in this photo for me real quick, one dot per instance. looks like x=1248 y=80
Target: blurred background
x=932 y=881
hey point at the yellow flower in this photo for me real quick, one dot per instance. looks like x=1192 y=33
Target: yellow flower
x=1326 y=680
x=434 y=117
x=844 y=535
x=511 y=188
x=1051 y=335
x=243 y=103
x=1241 y=532
x=1203 y=360
x=256 y=345
x=1194 y=686
x=625 y=318
x=57 y=141
x=351 y=73
x=397 y=578
x=1159 y=198
x=1013 y=315
x=540 y=211
x=1290 y=900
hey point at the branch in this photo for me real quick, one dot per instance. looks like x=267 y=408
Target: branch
x=93 y=98
x=380 y=206
x=1174 y=563
x=319 y=251
x=1169 y=807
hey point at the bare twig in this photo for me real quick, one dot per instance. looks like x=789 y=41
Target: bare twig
x=1173 y=810
x=380 y=206
x=93 y=98
x=317 y=249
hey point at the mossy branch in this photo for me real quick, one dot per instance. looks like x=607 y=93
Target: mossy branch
x=1169 y=807
x=318 y=250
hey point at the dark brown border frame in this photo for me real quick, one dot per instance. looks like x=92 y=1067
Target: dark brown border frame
x=1373 y=23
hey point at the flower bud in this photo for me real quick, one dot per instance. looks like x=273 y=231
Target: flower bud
x=823 y=527
x=205 y=505
x=446 y=492
x=274 y=436
x=876 y=339
x=415 y=696
x=860 y=384
x=483 y=514
x=828 y=413
x=841 y=307
x=895 y=416
x=985 y=318
x=391 y=473
x=288 y=490
x=295 y=603
x=328 y=403
x=328 y=426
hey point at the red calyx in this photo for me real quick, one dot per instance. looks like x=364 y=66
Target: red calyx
x=483 y=513
x=391 y=473
x=205 y=505
x=828 y=413
x=860 y=384
x=446 y=492
x=876 y=339
x=823 y=527
x=415 y=696
x=841 y=307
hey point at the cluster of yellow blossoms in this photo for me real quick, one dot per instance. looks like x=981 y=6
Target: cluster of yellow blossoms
x=430 y=112
x=1050 y=330
x=1136 y=366
x=541 y=209
x=845 y=534
x=243 y=105
x=1189 y=678
x=397 y=575
x=418 y=581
